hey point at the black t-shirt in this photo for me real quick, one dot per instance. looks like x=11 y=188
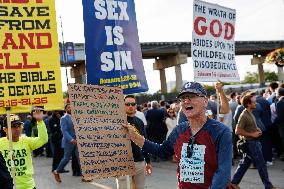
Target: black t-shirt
x=138 y=154
x=55 y=130
x=5 y=176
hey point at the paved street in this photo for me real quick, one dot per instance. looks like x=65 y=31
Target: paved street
x=164 y=177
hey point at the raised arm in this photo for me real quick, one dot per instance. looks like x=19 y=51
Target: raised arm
x=224 y=103
x=36 y=142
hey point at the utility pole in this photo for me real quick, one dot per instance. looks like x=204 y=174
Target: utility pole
x=64 y=50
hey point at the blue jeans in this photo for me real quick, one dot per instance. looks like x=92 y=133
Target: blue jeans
x=68 y=150
x=254 y=155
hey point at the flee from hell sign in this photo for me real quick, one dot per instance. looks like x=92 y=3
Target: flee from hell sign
x=29 y=58
x=213 y=45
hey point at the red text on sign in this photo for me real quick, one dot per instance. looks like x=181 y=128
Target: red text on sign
x=6 y=63
x=32 y=40
x=201 y=28
x=23 y=102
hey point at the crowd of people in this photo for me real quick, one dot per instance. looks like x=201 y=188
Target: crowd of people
x=195 y=128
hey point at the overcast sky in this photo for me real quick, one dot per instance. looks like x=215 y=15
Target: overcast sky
x=171 y=20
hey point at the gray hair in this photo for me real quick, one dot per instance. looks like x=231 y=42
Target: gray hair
x=154 y=104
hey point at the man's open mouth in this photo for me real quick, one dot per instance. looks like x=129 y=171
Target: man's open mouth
x=188 y=108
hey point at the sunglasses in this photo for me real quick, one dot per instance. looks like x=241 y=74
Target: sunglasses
x=189 y=148
x=189 y=97
x=130 y=104
x=171 y=112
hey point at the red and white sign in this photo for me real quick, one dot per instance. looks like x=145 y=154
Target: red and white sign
x=213 y=45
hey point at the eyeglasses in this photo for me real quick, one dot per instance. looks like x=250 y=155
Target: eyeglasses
x=189 y=148
x=171 y=112
x=130 y=104
x=189 y=97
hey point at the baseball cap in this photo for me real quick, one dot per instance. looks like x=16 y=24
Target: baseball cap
x=192 y=87
x=15 y=119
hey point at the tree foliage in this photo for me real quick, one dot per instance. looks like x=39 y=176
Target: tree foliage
x=253 y=77
x=270 y=76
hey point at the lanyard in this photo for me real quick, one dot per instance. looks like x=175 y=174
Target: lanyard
x=191 y=141
x=194 y=135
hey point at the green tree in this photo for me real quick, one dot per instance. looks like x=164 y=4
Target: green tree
x=210 y=89
x=253 y=77
x=250 y=78
x=270 y=76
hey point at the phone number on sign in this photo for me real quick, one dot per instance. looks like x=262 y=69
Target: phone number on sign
x=23 y=102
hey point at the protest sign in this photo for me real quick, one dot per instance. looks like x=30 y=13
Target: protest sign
x=213 y=45
x=113 y=52
x=104 y=147
x=29 y=58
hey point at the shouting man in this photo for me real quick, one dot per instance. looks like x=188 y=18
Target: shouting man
x=202 y=146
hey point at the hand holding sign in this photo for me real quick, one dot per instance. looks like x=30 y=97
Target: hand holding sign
x=134 y=135
x=73 y=141
x=219 y=86
x=38 y=113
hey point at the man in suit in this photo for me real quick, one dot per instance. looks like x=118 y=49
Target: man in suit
x=69 y=143
x=272 y=87
x=155 y=128
x=279 y=120
x=233 y=104
x=265 y=138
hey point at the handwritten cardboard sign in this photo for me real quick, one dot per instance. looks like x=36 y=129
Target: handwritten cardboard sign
x=104 y=147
